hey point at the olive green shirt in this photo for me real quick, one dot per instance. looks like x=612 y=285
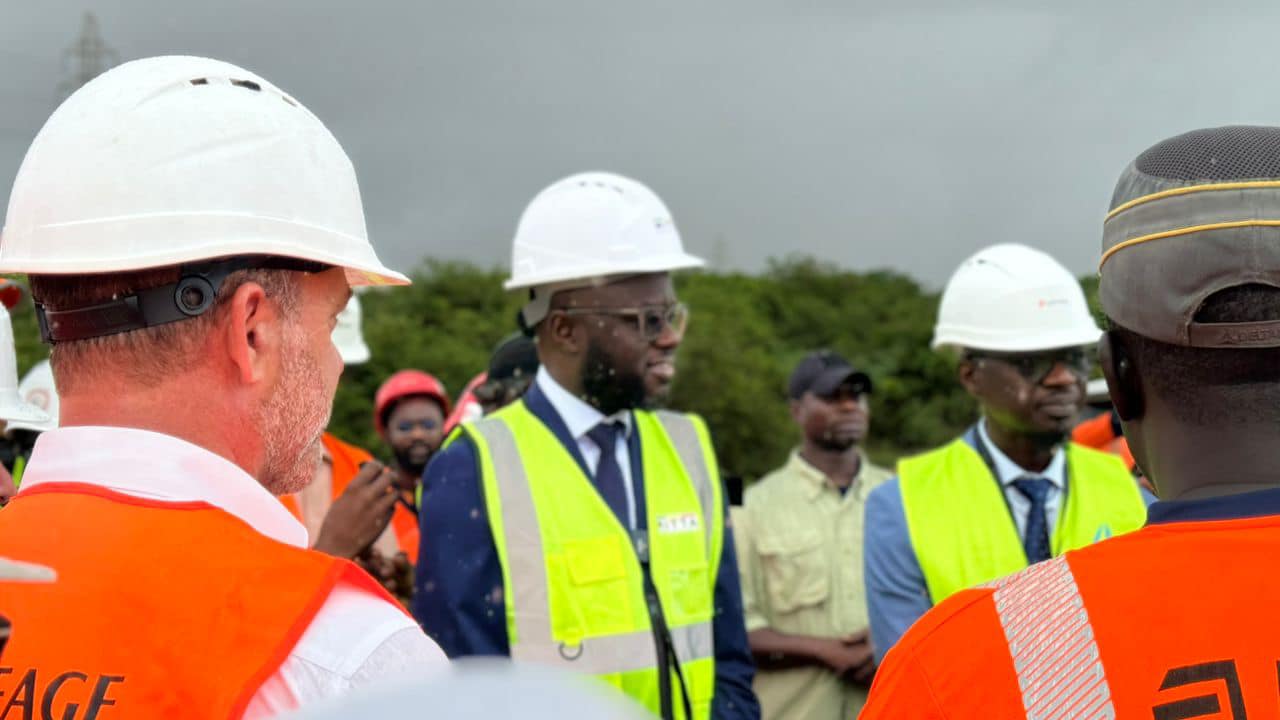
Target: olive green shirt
x=799 y=546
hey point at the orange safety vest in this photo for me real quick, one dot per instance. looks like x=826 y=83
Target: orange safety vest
x=159 y=610
x=1175 y=620
x=347 y=460
x=1098 y=434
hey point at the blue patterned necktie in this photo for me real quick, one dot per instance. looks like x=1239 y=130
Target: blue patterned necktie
x=608 y=478
x=1036 y=539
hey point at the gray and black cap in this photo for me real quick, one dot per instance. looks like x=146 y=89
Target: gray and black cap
x=1193 y=215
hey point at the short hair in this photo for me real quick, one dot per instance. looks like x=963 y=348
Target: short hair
x=1216 y=385
x=145 y=354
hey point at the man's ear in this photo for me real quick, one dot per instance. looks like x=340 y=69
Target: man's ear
x=795 y=406
x=564 y=332
x=967 y=374
x=1122 y=377
x=252 y=333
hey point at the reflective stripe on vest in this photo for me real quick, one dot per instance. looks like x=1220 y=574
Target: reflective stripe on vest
x=1051 y=641
x=684 y=438
x=537 y=606
x=961 y=528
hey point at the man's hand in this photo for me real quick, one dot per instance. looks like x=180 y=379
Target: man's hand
x=360 y=514
x=402 y=578
x=850 y=657
x=395 y=573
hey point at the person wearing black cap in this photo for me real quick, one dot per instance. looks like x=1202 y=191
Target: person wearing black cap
x=511 y=371
x=799 y=544
x=1176 y=620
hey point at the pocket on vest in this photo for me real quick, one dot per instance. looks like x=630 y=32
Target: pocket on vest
x=795 y=570
x=597 y=570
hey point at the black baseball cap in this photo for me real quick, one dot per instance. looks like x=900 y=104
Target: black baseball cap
x=822 y=373
x=515 y=357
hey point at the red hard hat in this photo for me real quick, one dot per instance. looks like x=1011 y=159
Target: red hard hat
x=407 y=383
x=10 y=293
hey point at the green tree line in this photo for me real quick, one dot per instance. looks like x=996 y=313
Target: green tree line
x=746 y=332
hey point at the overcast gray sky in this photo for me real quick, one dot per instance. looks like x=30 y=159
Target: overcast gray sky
x=901 y=134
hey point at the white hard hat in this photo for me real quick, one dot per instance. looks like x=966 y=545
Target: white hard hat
x=182 y=160
x=25 y=572
x=347 y=336
x=1012 y=298
x=13 y=408
x=594 y=225
x=37 y=390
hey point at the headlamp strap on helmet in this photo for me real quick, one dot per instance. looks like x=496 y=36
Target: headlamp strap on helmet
x=191 y=296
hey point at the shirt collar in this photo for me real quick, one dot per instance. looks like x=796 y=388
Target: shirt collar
x=159 y=467
x=1007 y=470
x=1259 y=503
x=578 y=416
x=817 y=481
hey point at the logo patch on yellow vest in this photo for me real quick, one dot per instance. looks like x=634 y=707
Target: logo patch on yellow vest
x=679 y=523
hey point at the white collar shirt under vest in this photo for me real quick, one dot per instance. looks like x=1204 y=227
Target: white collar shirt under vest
x=356 y=637
x=580 y=418
x=1007 y=471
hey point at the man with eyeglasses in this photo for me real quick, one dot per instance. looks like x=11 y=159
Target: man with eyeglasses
x=578 y=528
x=1011 y=491
x=409 y=409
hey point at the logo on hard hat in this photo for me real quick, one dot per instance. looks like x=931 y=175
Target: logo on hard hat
x=39 y=397
x=1050 y=302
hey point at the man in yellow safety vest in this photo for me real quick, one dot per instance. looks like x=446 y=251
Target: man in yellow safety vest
x=1011 y=491
x=576 y=528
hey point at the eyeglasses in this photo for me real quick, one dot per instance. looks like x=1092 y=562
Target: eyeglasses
x=405 y=426
x=650 y=320
x=1036 y=367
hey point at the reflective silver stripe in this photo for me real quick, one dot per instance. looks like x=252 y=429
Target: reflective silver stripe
x=526 y=565
x=684 y=438
x=617 y=653
x=1052 y=645
x=694 y=642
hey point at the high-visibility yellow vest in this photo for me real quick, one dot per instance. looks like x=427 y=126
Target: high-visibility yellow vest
x=572 y=581
x=964 y=534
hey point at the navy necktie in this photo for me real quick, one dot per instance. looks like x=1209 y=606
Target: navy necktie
x=1036 y=539
x=609 y=480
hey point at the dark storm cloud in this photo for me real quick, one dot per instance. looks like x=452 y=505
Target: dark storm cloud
x=902 y=135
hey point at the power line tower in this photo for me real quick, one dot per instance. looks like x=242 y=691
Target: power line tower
x=87 y=58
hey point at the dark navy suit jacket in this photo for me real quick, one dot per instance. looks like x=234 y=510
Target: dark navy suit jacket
x=458 y=584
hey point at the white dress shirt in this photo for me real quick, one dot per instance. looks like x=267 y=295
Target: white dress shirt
x=581 y=418
x=355 y=638
x=1007 y=471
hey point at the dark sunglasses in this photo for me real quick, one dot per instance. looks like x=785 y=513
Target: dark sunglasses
x=651 y=321
x=1035 y=367
x=405 y=426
